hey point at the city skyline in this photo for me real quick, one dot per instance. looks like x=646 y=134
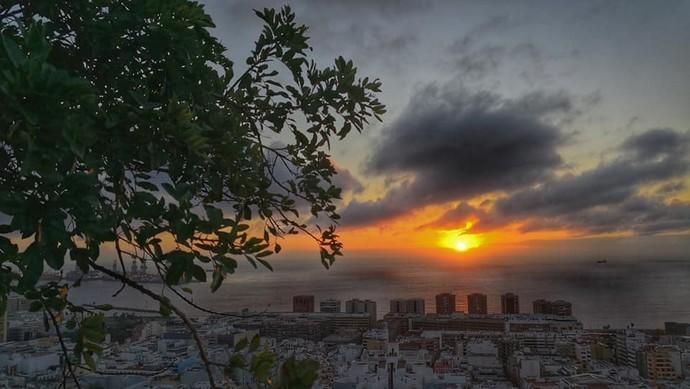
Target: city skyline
x=406 y=349
x=347 y=194
x=445 y=305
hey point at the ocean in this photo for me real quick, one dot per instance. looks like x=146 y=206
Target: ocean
x=644 y=292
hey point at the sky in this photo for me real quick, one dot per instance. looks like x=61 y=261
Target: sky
x=509 y=124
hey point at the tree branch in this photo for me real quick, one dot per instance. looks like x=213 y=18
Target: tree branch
x=122 y=264
x=199 y=307
x=64 y=348
x=166 y=303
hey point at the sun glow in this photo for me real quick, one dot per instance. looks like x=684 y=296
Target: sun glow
x=459 y=241
x=461 y=246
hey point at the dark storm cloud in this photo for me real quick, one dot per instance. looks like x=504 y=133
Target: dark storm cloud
x=636 y=214
x=654 y=156
x=660 y=141
x=462 y=136
x=601 y=200
x=540 y=103
x=458 y=145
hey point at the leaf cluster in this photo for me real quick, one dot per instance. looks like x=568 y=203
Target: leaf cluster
x=267 y=371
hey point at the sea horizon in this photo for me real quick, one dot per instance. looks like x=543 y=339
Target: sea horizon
x=646 y=292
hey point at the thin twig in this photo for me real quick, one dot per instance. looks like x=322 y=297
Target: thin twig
x=122 y=263
x=64 y=348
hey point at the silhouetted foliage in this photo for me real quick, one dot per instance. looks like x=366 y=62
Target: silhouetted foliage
x=124 y=127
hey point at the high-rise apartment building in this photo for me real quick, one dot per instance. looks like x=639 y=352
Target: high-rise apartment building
x=445 y=303
x=558 y=307
x=541 y=306
x=304 y=303
x=510 y=303
x=410 y=306
x=675 y=328
x=628 y=343
x=476 y=304
x=329 y=306
x=562 y=308
x=361 y=306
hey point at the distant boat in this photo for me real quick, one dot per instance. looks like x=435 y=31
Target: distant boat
x=602 y=261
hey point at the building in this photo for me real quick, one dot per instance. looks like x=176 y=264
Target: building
x=375 y=340
x=413 y=306
x=679 y=329
x=530 y=323
x=541 y=306
x=461 y=323
x=522 y=367
x=338 y=322
x=329 y=306
x=561 y=308
x=281 y=328
x=628 y=342
x=589 y=380
x=660 y=363
x=476 y=304
x=558 y=307
x=398 y=306
x=397 y=325
x=17 y=303
x=510 y=303
x=445 y=303
x=362 y=306
x=303 y=304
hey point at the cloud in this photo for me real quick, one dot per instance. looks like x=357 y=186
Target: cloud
x=604 y=199
x=482 y=218
x=654 y=156
x=447 y=145
x=635 y=214
x=491 y=25
x=484 y=51
x=656 y=142
x=670 y=187
x=346 y=181
x=395 y=203
x=452 y=145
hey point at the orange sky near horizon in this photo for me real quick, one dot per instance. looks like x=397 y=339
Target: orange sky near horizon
x=412 y=231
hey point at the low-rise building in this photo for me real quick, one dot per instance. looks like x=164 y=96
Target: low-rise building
x=660 y=362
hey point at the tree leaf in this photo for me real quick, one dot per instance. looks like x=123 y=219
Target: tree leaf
x=164 y=310
x=241 y=344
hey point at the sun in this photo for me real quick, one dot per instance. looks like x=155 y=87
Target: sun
x=461 y=246
x=459 y=241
